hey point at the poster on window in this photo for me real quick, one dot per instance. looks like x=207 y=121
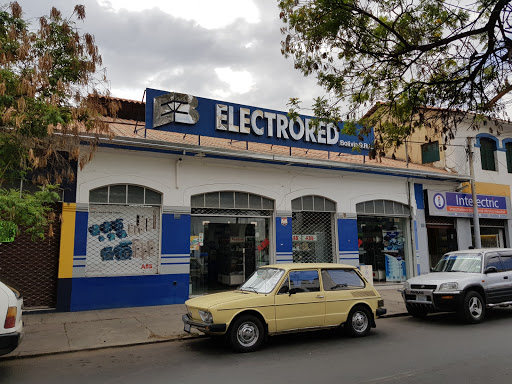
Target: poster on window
x=122 y=240
x=393 y=248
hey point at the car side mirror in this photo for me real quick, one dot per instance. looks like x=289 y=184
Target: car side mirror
x=283 y=289
x=292 y=291
x=491 y=270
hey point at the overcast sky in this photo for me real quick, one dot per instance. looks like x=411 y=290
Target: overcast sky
x=224 y=49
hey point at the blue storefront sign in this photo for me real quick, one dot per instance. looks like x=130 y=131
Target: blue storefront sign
x=461 y=205
x=187 y=114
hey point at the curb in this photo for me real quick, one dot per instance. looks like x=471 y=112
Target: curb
x=41 y=354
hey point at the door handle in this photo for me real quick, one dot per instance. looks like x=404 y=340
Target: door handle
x=320 y=297
x=505 y=277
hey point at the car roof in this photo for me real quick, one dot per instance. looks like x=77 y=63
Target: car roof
x=289 y=266
x=480 y=250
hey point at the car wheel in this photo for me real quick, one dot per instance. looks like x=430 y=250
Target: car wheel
x=473 y=308
x=420 y=313
x=246 y=334
x=358 y=323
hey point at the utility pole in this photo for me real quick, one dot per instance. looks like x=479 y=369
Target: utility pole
x=476 y=220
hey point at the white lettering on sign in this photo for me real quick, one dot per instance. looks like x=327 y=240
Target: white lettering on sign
x=278 y=125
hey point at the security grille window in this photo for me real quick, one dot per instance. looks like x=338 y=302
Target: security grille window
x=430 y=152
x=508 y=147
x=382 y=207
x=123 y=234
x=487 y=150
x=313 y=229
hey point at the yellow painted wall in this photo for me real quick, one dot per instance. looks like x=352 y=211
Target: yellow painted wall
x=488 y=189
x=67 y=240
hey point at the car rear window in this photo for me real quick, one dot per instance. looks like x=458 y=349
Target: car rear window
x=339 y=279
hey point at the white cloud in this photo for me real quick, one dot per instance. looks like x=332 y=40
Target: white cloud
x=207 y=13
x=239 y=81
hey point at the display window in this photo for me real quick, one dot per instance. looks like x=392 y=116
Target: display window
x=382 y=240
x=227 y=244
x=123 y=231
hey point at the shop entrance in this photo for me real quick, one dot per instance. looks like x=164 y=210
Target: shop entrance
x=383 y=239
x=227 y=245
x=441 y=239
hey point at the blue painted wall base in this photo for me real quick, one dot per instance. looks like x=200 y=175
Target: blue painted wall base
x=89 y=293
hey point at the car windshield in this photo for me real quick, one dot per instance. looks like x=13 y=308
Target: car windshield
x=461 y=262
x=263 y=280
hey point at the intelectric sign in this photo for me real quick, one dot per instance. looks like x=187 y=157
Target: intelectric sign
x=187 y=114
x=461 y=205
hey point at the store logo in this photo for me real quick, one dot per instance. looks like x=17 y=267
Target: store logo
x=439 y=201
x=174 y=107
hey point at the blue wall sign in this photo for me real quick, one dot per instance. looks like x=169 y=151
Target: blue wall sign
x=187 y=114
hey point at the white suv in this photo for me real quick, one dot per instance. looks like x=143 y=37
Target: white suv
x=11 y=325
x=466 y=282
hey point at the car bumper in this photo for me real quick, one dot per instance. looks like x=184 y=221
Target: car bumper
x=9 y=342
x=381 y=311
x=433 y=301
x=202 y=326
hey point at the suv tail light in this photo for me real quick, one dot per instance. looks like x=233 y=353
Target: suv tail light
x=10 y=320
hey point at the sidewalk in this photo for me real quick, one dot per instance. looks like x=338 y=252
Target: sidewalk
x=51 y=333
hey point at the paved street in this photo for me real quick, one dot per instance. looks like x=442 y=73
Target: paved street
x=401 y=350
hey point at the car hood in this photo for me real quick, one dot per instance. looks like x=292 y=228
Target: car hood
x=216 y=299
x=441 y=277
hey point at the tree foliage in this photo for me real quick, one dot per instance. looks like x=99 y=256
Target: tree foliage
x=420 y=60
x=50 y=87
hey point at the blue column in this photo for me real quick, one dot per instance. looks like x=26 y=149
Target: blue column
x=284 y=252
x=175 y=257
x=347 y=239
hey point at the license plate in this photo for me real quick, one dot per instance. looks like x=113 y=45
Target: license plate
x=186 y=328
x=421 y=297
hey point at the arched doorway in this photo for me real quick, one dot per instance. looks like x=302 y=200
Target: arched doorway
x=230 y=238
x=383 y=238
x=313 y=229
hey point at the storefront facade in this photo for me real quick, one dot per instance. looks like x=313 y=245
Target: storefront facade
x=156 y=221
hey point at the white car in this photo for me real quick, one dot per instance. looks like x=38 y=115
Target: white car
x=11 y=325
x=466 y=282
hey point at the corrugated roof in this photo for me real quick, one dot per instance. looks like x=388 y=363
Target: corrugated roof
x=135 y=130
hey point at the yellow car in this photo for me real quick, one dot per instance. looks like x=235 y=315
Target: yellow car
x=285 y=298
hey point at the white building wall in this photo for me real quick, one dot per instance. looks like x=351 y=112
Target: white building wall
x=179 y=180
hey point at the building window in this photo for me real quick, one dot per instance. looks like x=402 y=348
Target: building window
x=508 y=147
x=487 y=150
x=430 y=152
x=125 y=194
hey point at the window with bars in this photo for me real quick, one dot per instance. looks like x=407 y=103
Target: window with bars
x=382 y=207
x=313 y=229
x=487 y=154
x=231 y=200
x=508 y=147
x=125 y=194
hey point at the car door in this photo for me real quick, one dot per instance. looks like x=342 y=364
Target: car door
x=506 y=261
x=300 y=303
x=339 y=285
x=497 y=282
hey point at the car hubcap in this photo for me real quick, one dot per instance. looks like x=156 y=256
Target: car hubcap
x=475 y=307
x=359 y=321
x=248 y=333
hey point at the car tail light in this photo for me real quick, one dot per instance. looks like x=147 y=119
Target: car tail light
x=10 y=320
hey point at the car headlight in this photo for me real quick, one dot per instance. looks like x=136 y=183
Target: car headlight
x=206 y=316
x=448 y=286
x=407 y=285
